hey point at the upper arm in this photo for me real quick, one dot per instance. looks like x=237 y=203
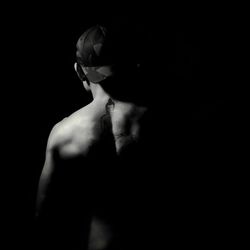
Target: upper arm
x=56 y=191
x=45 y=180
x=61 y=148
x=47 y=171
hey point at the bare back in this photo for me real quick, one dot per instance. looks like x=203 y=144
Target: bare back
x=98 y=154
x=121 y=123
x=117 y=209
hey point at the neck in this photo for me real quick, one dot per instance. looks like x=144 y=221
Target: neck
x=99 y=94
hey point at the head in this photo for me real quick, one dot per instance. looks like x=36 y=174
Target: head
x=91 y=66
x=109 y=56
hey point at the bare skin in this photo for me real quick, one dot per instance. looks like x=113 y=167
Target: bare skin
x=106 y=128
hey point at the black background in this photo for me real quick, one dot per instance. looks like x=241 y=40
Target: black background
x=42 y=88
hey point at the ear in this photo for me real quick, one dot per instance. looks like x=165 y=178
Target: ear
x=81 y=76
x=79 y=72
x=75 y=67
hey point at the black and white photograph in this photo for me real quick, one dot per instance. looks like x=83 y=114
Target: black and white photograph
x=120 y=127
